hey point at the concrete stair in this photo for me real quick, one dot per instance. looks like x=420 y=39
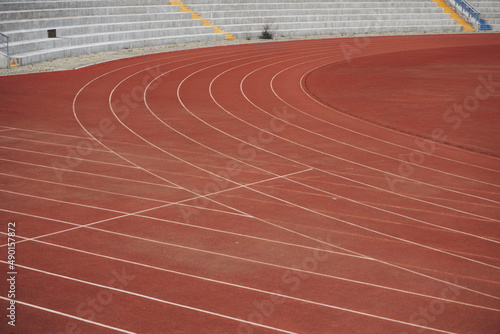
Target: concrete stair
x=454 y=15
x=92 y=26
x=196 y=16
x=246 y=18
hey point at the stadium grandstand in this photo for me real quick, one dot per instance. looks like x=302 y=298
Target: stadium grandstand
x=43 y=30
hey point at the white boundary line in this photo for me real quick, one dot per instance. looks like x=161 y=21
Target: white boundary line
x=287 y=229
x=406 y=148
x=68 y=315
x=75 y=97
x=386 y=128
x=239 y=320
x=88 y=173
x=237 y=258
x=135 y=294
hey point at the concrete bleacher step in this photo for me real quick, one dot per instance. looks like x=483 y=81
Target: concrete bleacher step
x=89 y=20
x=76 y=50
x=70 y=31
x=88 y=26
x=16 y=5
x=348 y=31
x=191 y=2
x=40 y=44
x=87 y=11
x=340 y=17
x=243 y=14
x=246 y=18
x=280 y=27
x=241 y=6
x=301 y=13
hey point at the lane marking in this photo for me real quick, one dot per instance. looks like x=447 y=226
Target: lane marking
x=385 y=128
x=85 y=188
x=63 y=156
x=244 y=260
x=302 y=82
x=209 y=171
x=51 y=143
x=90 y=226
x=91 y=174
x=67 y=315
x=120 y=121
x=135 y=294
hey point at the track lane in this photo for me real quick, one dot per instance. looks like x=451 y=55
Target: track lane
x=128 y=147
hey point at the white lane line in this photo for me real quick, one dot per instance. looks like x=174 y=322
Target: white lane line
x=376 y=152
x=99 y=150
x=337 y=175
x=330 y=138
x=302 y=82
x=92 y=139
x=248 y=260
x=98 y=162
x=418 y=199
x=309 y=237
x=358 y=188
x=90 y=226
x=162 y=301
x=450 y=254
x=135 y=294
x=449 y=229
x=63 y=156
x=179 y=132
x=335 y=195
x=120 y=121
x=50 y=143
x=64 y=185
x=345 y=159
x=181 y=202
x=395 y=237
x=304 y=89
x=266 y=264
x=68 y=315
x=67 y=170
x=138 y=214
x=219 y=254
x=63 y=202
x=52 y=133
x=305 y=165
x=78 y=226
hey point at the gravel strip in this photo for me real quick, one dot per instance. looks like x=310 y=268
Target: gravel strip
x=71 y=63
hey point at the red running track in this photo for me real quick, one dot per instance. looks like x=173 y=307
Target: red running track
x=287 y=187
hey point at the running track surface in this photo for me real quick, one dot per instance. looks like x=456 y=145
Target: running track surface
x=320 y=186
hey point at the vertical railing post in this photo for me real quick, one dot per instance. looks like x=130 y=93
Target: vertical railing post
x=6 y=46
